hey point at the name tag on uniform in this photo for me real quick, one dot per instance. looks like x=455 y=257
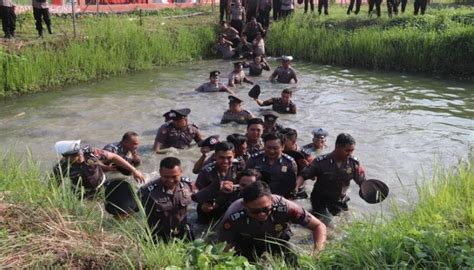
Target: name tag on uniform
x=162 y=200
x=284 y=168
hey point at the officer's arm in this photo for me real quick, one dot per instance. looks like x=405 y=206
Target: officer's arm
x=294 y=76
x=274 y=74
x=247 y=80
x=119 y=161
x=359 y=175
x=231 y=81
x=200 y=163
x=319 y=232
x=198 y=137
x=307 y=173
x=293 y=109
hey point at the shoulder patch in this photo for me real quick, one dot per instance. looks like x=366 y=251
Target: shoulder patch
x=185 y=179
x=257 y=154
x=321 y=157
x=237 y=215
x=280 y=208
x=288 y=157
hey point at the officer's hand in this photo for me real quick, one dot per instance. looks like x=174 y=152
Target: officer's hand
x=205 y=150
x=138 y=176
x=207 y=207
x=227 y=186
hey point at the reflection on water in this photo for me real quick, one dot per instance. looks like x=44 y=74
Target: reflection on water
x=401 y=123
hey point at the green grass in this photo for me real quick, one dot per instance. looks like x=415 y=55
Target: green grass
x=106 y=46
x=439 y=42
x=42 y=225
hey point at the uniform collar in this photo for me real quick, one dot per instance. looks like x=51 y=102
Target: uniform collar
x=280 y=160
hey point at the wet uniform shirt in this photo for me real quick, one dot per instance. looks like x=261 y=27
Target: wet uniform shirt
x=88 y=172
x=237 y=78
x=282 y=171
x=256 y=69
x=254 y=148
x=210 y=87
x=169 y=136
x=240 y=118
x=284 y=75
x=332 y=180
x=252 y=30
x=311 y=151
x=166 y=210
x=259 y=47
x=226 y=50
x=237 y=226
x=118 y=149
x=278 y=106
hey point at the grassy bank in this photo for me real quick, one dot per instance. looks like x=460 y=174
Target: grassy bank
x=43 y=225
x=439 y=42
x=108 y=45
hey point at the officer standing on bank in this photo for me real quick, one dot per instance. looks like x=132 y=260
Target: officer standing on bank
x=178 y=133
x=283 y=104
x=214 y=85
x=254 y=136
x=41 y=12
x=6 y=16
x=260 y=222
x=165 y=201
x=277 y=168
x=235 y=113
x=333 y=173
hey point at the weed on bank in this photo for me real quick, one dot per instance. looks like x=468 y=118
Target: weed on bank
x=43 y=225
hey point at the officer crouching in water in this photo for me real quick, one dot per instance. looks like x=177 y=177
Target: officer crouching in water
x=260 y=222
x=333 y=173
x=165 y=201
x=84 y=166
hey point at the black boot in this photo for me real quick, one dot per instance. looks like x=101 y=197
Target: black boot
x=49 y=29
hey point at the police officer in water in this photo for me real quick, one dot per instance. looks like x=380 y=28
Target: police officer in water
x=165 y=201
x=178 y=133
x=333 y=173
x=283 y=104
x=260 y=222
x=213 y=85
x=235 y=113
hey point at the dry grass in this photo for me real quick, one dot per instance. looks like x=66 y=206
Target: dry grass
x=44 y=237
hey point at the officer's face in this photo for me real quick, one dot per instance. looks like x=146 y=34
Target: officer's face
x=254 y=132
x=224 y=159
x=181 y=122
x=170 y=177
x=286 y=64
x=273 y=149
x=344 y=152
x=285 y=98
x=235 y=106
x=241 y=150
x=214 y=79
x=319 y=142
x=245 y=181
x=259 y=209
x=290 y=143
x=132 y=144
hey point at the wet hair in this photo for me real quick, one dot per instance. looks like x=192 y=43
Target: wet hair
x=287 y=91
x=254 y=121
x=224 y=146
x=237 y=139
x=344 y=139
x=129 y=135
x=272 y=136
x=169 y=163
x=250 y=173
x=288 y=133
x=255 y=191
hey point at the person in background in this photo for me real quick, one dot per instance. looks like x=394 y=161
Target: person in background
x=287 y=8
x=231 y=34
x=311 y=3
x=270 y=124
x=237 y=76
x=252 y=29
x=223 y=10
x=41 y=13
x=260 y=222
x=420 y=6
x=237 y=16
x=316 y=148
x=258 y=45
x=235 y=113
x=284 y=73
x=377 y=4
x=254 y=136
x=251 y=9
x=264 y=7
x=5 y=14
x=166 y=201
x=323 y=4
x=257 y=66
x=351 y=6
x=225 y=47
x=283 y=104
x=213 y=85
x=245 y=48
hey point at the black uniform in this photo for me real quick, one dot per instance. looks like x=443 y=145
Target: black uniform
x=166 y=211
x=279 y=107
x=377 y=4
x=351 y=6
x=329 y=191
x=41 y=12
x=7 y=20
x=282 y=172
x=251 y=237
x=254 y=148
x=420 y=6
x=323 y=4
x=169 y=136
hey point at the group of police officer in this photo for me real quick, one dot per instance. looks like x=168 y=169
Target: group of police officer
x=245 y=183
x=40 y=14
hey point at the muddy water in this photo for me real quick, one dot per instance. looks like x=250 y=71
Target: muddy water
x=403 y=124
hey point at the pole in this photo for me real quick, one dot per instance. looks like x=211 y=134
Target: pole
x=97 y=7
x=73 y=16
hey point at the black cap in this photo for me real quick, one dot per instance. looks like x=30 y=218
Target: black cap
x=270 y=115
x=235 y=99
x=210 y=142
x=373 y=191
x=236 y=139
x=255 y=121
x=255 y=91
x=238 y=64
x=214 y=73
x=179 y=113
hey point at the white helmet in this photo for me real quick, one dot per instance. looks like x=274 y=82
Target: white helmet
x=68 y=147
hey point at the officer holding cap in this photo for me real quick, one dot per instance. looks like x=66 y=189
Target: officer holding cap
x=214 y=85
x=260 y=222
x=85 y=166
x=237 y=76
x=206 y=146
x=235 y=113
x=318 y=145
x=178 y=133
x=284 y=73
x=270 y=125
x=166 y=201
x=284 y=104
x=333 y=173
